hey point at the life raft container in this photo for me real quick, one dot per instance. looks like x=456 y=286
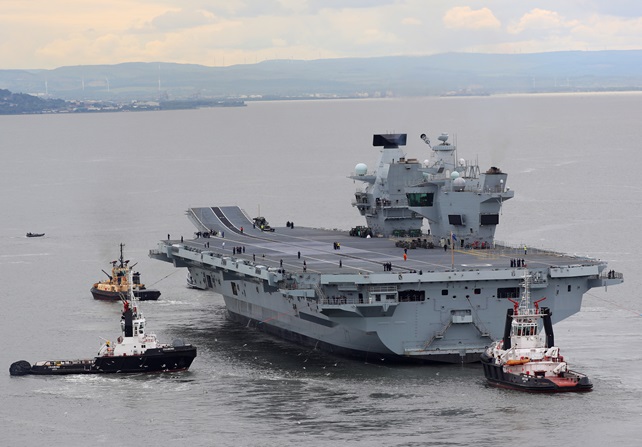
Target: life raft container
x=518 y=361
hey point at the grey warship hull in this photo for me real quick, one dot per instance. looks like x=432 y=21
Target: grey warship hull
x=435 y=306
x=392 y=290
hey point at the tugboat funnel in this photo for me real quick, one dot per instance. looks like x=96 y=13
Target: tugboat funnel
x=507 y=326
x=129 y=323
x=548 y=326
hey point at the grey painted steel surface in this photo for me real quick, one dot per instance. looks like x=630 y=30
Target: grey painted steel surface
x=327 y=289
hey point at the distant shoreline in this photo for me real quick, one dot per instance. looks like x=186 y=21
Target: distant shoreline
x=73 y=106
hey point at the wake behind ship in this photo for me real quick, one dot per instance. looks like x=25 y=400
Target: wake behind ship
x=388 y=290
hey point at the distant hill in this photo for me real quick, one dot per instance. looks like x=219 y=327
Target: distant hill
x=442 y=74
x=18 y=103
x=23 y=103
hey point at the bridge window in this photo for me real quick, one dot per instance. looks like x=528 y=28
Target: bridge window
x=420 y=198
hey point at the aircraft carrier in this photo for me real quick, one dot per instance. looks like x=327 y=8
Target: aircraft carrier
x=389 y=290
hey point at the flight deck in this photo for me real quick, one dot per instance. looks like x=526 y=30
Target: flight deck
x=333 y=252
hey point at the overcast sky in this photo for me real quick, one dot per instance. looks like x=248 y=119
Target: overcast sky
x=54 y=33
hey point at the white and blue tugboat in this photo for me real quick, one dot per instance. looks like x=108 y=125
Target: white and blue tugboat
x=525 y=360
x=135 y=351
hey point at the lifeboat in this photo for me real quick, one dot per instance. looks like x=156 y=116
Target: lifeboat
x=521 y=361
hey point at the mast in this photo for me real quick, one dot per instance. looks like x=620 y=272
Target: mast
x=122 y=258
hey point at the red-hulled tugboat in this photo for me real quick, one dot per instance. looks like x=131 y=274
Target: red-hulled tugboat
x=135 y=351
x=117 y=286
x=524 y=360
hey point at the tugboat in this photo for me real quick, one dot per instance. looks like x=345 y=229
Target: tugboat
x=30 y=234
x=135 y=351
x=117 y=286
x=524 y=360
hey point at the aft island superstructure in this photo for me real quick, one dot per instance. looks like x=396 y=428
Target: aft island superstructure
x=389 y=290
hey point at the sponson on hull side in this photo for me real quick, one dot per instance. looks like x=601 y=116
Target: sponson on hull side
x=399 y=292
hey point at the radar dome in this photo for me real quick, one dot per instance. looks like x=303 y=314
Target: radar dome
x=361 y=169
x=459 y=184
x=462 y=162
x=454 y=175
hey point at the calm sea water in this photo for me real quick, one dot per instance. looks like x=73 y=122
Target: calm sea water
x=91 y=182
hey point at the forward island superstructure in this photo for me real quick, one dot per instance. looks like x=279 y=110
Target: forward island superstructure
x=398 y=292
x=452 y=194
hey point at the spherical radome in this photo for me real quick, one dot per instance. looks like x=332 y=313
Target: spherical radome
x=361 y=169
x=459 y=184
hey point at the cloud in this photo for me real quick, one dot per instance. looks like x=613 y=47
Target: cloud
x=540 y=19
x=599 y=32
x=224 y=32
x=181 y=19
x=316 y=5
x=619 y=8
x=411 y=21
x=463 y=17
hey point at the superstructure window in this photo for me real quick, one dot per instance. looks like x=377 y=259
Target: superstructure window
x=412 y=295
x=508 y=292
x=489 y=219
x=420 y=198
x=456 y=219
